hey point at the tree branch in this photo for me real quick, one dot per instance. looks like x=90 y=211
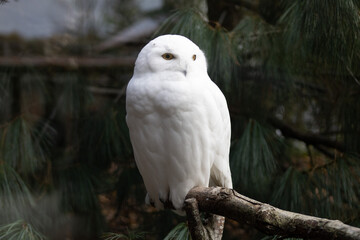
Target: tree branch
x=194 y=221
x=319 y=142
x=268 y=219
x=210 y=226
x=70 y=63
x=308 y=138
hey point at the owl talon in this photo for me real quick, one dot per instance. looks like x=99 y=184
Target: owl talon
x=167 y=204
x=149 y=201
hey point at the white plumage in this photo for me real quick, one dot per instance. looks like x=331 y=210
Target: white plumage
x=178 y=120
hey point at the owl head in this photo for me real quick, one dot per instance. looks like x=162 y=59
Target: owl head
x=171 y=54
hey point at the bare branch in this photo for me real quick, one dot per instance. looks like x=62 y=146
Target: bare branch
x=268 y=219
x=308 y=138
x=196 y=227
x=209 y=227
x=74 y=63
x=317 y=141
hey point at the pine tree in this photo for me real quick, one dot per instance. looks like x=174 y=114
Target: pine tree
x=289 y=71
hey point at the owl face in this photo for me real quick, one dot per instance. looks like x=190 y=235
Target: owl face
x=171 y=54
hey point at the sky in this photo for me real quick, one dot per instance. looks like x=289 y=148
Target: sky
x=43 y=18
x=31 y=18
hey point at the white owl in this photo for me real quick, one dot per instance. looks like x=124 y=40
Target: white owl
x=178 y=120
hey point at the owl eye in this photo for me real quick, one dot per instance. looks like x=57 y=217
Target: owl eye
x=167 y=56
x=194 y=57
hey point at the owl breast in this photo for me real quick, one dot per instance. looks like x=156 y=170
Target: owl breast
x=172 y=129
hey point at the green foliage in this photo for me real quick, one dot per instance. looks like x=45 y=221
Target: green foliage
x=327 y=191
x=180 y=232
x=38 y=158
x=20 y=230
x=109 y=135
x=77 y=189
x=301 y=69
x=76 y=184
x=324 y=34
x=252 y=157
x=130 y=236
x=189 y=23
x=74 y=97
x=14 y=193
x=255 y=39
x=336 y=191
x=20 y=147
x=214 y=41
x=290 y=191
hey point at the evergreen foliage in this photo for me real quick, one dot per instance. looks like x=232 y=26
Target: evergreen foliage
x=180 y=232
x=300 y=70
x=292 y=84
x=119 y=236
x=20 y=230
x=255 y=143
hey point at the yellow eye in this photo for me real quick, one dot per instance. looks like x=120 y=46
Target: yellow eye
x=167 y=56
x=194 y=57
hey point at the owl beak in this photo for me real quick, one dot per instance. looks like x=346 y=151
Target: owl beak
x=185 y=69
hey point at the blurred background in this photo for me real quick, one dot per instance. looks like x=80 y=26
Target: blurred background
x=290 y=73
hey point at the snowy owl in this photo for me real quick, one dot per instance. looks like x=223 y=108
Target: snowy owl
x=178 y=120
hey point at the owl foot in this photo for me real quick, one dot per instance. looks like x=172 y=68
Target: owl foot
x=167 y=204
x=149 y=201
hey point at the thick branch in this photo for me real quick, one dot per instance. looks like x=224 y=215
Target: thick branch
x=268 y=219
x=308 y=138
x=194 y=220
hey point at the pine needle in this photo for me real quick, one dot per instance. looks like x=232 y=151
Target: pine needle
x=20 y=230
x=180 y=232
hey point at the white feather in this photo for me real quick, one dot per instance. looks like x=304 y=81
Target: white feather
x=178 y=120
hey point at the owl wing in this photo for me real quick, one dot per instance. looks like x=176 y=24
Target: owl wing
x=220 y=174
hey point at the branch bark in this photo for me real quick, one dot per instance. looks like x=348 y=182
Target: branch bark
x=209 y=227
x=266 y=218
x=194 y=221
